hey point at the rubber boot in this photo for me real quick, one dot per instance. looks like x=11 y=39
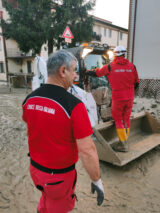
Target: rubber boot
x=122 y=145
x=127 y=132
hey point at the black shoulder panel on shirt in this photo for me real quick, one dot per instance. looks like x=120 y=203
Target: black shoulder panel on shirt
x=58 y=94
x=32 y=94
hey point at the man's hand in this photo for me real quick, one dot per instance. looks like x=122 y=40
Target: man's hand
x=136 y=86
x=98 y=187
x=91 y=73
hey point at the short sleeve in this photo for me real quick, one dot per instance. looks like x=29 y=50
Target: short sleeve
x=80 y=122
x=102 y=71
x=24 y=114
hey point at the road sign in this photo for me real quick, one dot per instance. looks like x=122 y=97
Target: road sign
x=68 y=40
x=67 y=33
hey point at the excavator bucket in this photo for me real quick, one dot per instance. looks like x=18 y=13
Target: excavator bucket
x=144 y=136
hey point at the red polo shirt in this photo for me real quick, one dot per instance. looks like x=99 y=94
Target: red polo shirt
x=55 y=119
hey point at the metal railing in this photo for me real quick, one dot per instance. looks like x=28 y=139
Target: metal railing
x=14 y=52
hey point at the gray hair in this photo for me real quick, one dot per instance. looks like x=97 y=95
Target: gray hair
x=58 y=59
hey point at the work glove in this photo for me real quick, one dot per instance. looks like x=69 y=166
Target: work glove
x=136 y=86
x=91 y=73
x=98 y=187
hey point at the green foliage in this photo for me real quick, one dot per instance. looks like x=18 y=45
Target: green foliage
x=75 y=15
x=28 y=23
x=32 y=23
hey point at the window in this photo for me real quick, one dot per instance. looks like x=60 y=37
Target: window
x=93 y=35
x=110 y=33
x=1 y=67
x=121 y=36
x=92 y=61
x=105 y=32
x=29 y=67
x=45 y=48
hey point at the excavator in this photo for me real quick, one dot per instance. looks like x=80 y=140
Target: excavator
x=96 y=95
x=145 y=129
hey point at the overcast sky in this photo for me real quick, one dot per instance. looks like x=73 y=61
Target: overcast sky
x=116 y=11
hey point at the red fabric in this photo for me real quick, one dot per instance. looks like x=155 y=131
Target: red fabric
x=57 y=198
x=121 y=112
x=52 y=133
x=122 y=78
x=80 y=122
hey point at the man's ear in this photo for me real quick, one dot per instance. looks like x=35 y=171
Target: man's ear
x=62 y=71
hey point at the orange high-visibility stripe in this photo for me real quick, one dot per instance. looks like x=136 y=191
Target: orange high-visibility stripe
x=122 y=134
x=127 y=132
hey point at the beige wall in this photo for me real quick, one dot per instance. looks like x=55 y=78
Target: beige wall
x=24 y=65
x=124 y=40
x=5 y=13
x=114 y=40
x=11 y=44
x=15 y=65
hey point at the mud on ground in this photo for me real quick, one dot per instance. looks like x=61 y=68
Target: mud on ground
x=134 y=188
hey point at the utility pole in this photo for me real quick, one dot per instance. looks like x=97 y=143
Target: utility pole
x=4 y=46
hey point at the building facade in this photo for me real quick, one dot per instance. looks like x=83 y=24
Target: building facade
x=12 y=60
x=105 y=32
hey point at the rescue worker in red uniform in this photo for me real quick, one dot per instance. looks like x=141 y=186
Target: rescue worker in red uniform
x=59 y=130
x=123 y=78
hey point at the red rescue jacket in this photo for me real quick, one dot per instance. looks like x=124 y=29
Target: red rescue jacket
x=122 y=77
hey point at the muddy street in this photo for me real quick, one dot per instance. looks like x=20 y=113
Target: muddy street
x=134 y=188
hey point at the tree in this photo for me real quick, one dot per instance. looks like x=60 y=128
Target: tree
x=28 y=24
x=75 y=15
x=35 y=22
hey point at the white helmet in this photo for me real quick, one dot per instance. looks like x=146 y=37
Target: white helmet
x=119 y=50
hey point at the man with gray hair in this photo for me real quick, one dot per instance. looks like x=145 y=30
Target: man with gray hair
x=58 y=130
